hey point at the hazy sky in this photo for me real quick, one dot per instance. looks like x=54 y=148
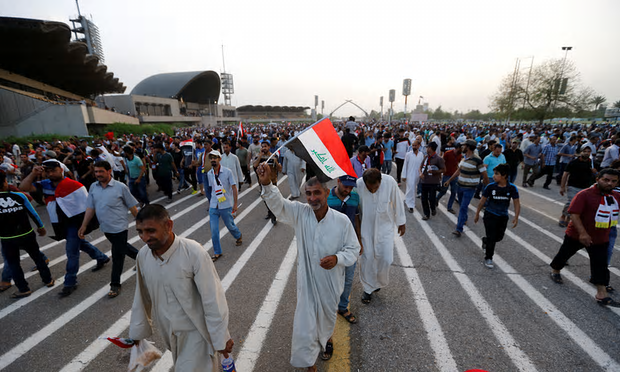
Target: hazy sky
x=284 y=52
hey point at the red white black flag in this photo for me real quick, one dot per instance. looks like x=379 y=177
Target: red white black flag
x=323 y=151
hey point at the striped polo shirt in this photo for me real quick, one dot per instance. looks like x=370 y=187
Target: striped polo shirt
x=471 y=169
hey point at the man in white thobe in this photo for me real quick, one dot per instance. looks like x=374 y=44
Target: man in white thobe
x=178 y=289
x=411 y=173
x=381 y=211
x=326 y=245
x=295 y=168
x=231 y=161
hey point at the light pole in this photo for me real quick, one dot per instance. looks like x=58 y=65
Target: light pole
x=560 y=82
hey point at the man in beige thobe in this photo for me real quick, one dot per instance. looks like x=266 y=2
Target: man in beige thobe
x=326 y=245
x=178 y=289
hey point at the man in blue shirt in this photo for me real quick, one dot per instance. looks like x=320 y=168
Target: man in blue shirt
x=361 y=161
x=494 y=159
x=345 y=200
x=388 y=146
x=496 y=198
x=223 y=202
x=549 y=155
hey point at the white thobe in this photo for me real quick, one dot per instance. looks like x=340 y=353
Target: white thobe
x=381 y=212
x=292 y=166
x=411 y=171
x=231 y=161
x=318 y=289
x=182 y=294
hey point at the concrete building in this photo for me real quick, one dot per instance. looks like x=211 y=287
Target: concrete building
x=179 y=97
x=47 y=82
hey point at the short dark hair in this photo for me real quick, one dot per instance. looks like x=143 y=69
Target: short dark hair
x=128 y=150
x=503 y=169
x=153 y=212
x=94 y=153
x=103 y=164
x=610 y=171
x=372 y=176
x=498 y=146
x=313 y=181
x=363 y=148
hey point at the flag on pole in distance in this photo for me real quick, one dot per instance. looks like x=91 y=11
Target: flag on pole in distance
x=323 y=151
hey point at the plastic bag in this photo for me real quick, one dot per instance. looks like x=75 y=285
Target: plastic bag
x=142 y=356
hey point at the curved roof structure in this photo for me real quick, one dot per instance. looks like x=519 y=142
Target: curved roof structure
x=43 y=51
x=258 y=108
x=194 y=86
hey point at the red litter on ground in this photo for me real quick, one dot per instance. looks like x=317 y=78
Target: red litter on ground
x=124 y=343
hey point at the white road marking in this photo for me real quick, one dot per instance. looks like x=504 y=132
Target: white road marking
x=521 y=361
x=581 y=338
x=246 y=360
x=441 y=349
x=541 y=196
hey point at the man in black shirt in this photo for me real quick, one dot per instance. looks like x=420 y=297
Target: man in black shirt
x=514 y=157
x=349 y=140
x=577 y=176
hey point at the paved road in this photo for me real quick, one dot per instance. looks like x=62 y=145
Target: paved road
x=443 y=310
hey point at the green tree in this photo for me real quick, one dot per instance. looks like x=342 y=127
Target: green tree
x=542 y=92
x=597 y=101
x=375 y=115
x=617 y=104
x=440 y=114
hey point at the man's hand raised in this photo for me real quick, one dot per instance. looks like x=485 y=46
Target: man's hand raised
x=264 y=174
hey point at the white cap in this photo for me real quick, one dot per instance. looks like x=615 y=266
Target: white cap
x=215 y=153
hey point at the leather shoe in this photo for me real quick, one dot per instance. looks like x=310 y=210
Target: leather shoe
x=100 y=264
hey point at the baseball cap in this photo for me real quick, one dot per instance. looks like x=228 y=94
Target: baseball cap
x=215 y=153
x=348 y=180
x=51 y=154
x=51 y=163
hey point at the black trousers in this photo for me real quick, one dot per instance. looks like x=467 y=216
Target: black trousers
x=190 y=177
x=547 y=170
x=165 y=184
x=246 y=174
x=429 y=198
x=599 y=273
x=399 y=168
x=494 y=227
x=120 y=248
x=28 y=243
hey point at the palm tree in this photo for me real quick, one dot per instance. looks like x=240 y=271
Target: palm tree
x=617 y=104
x=597 y=101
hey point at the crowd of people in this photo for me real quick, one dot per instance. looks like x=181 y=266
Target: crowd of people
x=98 y=183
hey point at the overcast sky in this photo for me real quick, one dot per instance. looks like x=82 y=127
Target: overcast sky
x=284 y=52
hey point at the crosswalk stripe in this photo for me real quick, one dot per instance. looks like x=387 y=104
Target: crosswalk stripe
x=246 y=360
x=509 y=344
x=443 y=356
x=581 y=338
x=541 y=196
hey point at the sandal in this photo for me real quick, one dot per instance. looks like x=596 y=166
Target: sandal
x=562 y=223
x=348 y=316
x=608 y=301
x=366 y=297
x=610 y=289
x=114 y=291
x=215 y=257
x=18 y=295
x=557 y=278
x=329 y=351
x=4 y=286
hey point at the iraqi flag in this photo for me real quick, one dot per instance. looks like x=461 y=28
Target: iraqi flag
x=323 y=151
x=71 y=197
x=241 y=132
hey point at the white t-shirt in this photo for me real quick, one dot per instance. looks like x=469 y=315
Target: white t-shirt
x=401 y=149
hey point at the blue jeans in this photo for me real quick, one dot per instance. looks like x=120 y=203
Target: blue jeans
x=182 y=182
x=613 y=234
x=73 y=247
x=214 y=221
x=454 y=188
x=138 y=190
x=465 y=196
x=387 y=166
x=349 y=273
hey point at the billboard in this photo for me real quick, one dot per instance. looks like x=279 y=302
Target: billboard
x=612 y=112
x=406 y=87
x=392 y=95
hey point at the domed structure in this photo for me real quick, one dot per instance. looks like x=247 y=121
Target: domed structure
x=201 y=87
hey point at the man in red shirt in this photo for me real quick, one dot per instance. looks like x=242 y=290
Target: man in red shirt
x=451 y=158
x=593 y=211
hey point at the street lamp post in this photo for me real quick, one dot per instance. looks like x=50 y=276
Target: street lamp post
x=560 y=81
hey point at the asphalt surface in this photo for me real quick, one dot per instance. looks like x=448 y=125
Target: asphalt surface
x=443 y=310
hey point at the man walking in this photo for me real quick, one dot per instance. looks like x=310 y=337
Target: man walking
x=324 y=234
x=136 y=174
x=593 y=213
x=223 y=202
x=66 y=204
x=411 y=174
x=451 y=158
x=578 y=176
x=295 y=168
x=382 y=212
x=549 y=156
x=275 y=168
x=109 y=200
x=567 y=153
x=179 y=291
x=231 y=161
x=361 y=162
x=531 y=160
x=470 y=171
x=244 y=161
x=514 y=157
x=164 y=169
x=430 y=175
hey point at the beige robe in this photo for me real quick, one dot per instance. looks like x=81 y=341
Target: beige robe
x=183 y=296
x=318 y=289
x=381 y=213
